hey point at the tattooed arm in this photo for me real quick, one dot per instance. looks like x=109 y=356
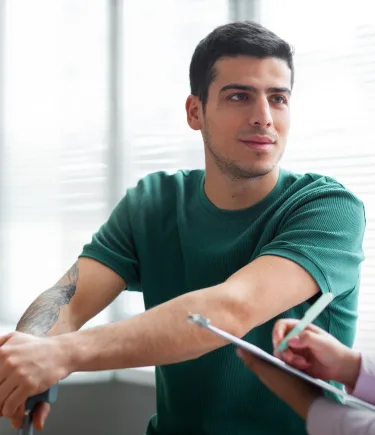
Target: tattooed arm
x=85 y=290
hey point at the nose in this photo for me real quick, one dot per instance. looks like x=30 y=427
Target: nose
x=260 y=116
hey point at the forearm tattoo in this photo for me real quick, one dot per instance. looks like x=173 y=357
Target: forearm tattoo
x=44 y=311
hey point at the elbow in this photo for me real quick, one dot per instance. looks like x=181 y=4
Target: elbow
x=239 y=316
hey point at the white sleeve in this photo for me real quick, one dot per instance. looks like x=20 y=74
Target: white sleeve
x=331 y=418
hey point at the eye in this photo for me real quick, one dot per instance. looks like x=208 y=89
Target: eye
x=239 y=96
x=279 y=99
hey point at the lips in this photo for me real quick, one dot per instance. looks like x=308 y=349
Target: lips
x=254 y=142
x=258 y=142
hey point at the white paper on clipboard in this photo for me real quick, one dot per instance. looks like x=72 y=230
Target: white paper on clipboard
x=348 y=399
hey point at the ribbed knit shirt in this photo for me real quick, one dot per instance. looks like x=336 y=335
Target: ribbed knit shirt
x=165 y=238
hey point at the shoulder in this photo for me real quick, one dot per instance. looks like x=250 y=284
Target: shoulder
x=162 y=190
x=161 y=186
x=322 y=188
x=162 y=180
x=311 y=180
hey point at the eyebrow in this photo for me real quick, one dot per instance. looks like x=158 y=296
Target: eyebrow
x=236 y=86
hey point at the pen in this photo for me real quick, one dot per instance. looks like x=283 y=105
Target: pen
x=311 y=314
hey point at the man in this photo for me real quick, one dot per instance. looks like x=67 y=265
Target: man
x=240 y=243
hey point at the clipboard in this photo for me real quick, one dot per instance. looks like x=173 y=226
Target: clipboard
x=260 y=353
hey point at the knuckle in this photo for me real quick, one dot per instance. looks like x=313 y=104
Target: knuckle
x=10 y=363
x=25 y=379
x=20 y=373
x=279 y=323
x=4 y=353
x=29 y=383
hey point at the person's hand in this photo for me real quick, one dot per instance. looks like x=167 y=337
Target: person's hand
x=317 y=353
x=298 y=394
x=29 y=365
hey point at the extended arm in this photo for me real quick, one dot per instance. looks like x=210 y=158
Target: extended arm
x=162 y=335
x=86 y=289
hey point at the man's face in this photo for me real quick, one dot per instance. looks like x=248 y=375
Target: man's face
x=246 y=120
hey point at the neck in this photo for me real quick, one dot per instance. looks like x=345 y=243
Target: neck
x=228 y=194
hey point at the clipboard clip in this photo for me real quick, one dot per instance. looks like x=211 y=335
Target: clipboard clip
x=199 y=320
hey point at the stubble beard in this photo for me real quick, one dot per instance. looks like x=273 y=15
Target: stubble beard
x=232 y=168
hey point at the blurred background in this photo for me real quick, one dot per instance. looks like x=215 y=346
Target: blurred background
x=92 y=96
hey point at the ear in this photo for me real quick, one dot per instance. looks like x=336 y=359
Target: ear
x=194 y=112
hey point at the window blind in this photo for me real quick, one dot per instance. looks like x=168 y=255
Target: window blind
x=54 y=148
x=333 y=106
x=158 y=42
x=59 y=144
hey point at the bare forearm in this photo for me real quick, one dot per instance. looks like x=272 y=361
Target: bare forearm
x=49 y=314
x=161 y=335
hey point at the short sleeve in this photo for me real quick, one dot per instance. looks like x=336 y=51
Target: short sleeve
x=113 y=245
x=323 y=232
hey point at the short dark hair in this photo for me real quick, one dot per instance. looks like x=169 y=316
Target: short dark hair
x=240 y=38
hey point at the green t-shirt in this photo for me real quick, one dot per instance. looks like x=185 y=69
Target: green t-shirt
x=165 y=238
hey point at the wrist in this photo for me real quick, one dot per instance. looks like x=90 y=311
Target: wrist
x=69 y=356
x=306 y=403
x=349 y=369
x=300 y=397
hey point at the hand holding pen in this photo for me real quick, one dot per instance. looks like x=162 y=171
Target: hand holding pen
x=314 y=351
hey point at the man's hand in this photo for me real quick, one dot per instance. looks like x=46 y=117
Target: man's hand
x=29 y=365
x=299 y=395
x=84 y=291
x=318 y=353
